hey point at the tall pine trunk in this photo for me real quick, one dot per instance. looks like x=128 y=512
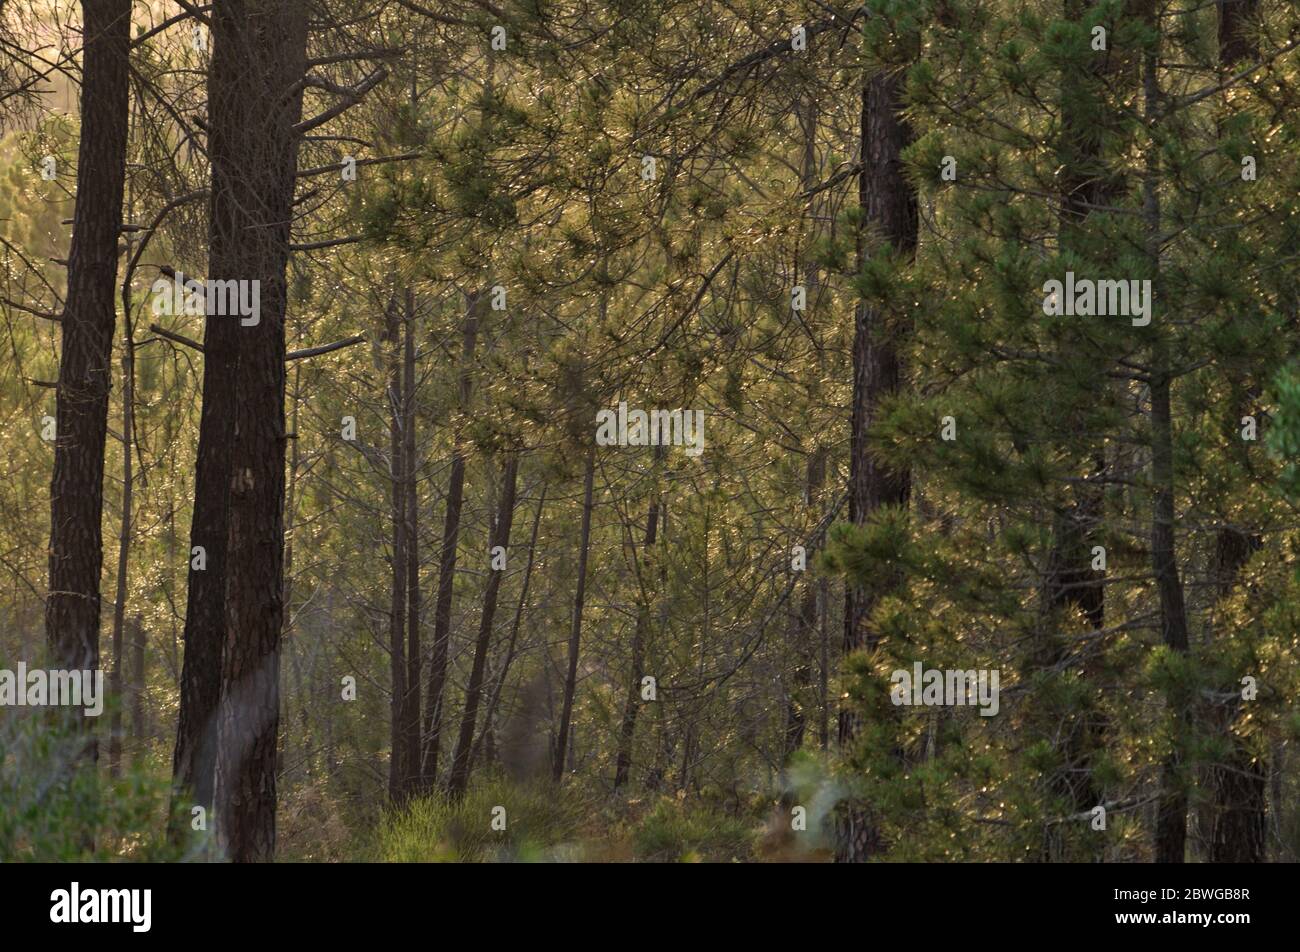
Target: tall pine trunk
x=194 y=759
x=264 y=101
x=72 y=610
x=890 y=207
x=1171 y=813
x=1238 y=785
x=1069 y=582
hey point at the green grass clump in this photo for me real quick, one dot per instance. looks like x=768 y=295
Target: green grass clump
x=542 y=823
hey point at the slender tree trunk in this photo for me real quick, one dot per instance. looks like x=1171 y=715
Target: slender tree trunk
x=890 y=206
x=447 y=561
x=85 y=360
x=266 y=103
x=411 y=739
x=500 y=537
x=124 y=534
x=575 y=635
x=500 y=681
x=139 y=730
x=632 y=701
x=804 y=617
x=290 y=517
x=399 y=721
x=1171 y=818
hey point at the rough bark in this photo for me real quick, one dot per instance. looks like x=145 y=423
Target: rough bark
x=261 y=106
x=72 y=610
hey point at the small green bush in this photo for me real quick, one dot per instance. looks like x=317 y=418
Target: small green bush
x=57 y=807
x=676 y=832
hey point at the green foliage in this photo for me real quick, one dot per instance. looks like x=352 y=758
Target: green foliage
x=542 y=824
x=677 y=831
x=58 y=809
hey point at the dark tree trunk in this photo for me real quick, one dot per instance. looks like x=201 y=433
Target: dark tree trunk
x=1235 y=43
x=890 y=206
x=1171 y=820
x=194 y=760
x=500 y=537
x=1069 y=581
x=1171 y=812
x=632 y=701
x=575 y=634
x=259 y=109
x=85 y=359
x=1238 y=785
x=447 y=563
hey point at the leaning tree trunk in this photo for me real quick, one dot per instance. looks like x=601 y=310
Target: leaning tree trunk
x=85 y=360
x=459 y=781
x=485 y=737
x=259 y=107
x=890 y=207
x=447 y=561
x=575 y=633
x=632 y=700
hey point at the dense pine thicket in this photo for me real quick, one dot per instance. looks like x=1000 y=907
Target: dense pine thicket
x=368 y=578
